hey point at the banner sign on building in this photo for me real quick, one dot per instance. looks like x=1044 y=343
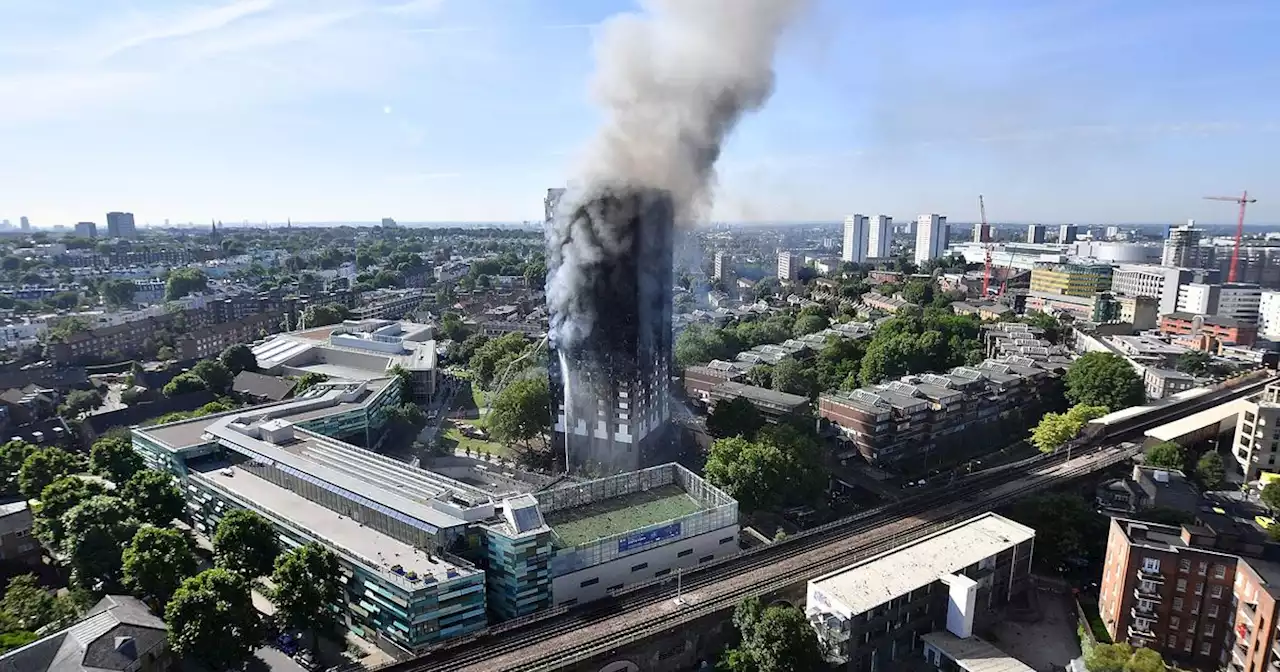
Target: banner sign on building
x=651 y=536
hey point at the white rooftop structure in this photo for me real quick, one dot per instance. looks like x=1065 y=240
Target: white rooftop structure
x=872 y=582
x=971 y=654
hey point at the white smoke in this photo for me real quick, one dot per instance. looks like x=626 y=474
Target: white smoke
x=673 y=81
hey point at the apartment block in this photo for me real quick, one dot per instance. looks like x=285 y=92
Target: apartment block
x=211 y=341
x=874 y=615
x=1235 y=300
x=387 y=304
x=788 y=266
x=1202 y=595
x=923 y=418
x=857 y=234
x=932 y=234
x=724 y=266
x=1257 y=441
x=1159 y=282
x=1068 y=233
x=1036 y=233
x=1269 y=316
x=1082 y=280
x=880 y=238
x=1183 y=248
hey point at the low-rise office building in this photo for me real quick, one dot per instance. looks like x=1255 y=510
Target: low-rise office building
x=1164 y=383
x=1209 y=331
x=876 y=612
x=426 y=556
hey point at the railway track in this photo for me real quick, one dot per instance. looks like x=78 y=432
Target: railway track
x=968 y=494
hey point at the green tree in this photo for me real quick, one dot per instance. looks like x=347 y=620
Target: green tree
x=245 y=543
x=405 y=378
x=1104 y=379
x=1166 y=455
x=307 y=588
x=491 y=360
x=1067 y=528
x=113 y=458
x=453 y=328
x=699 y=344
x=166 y=354
x=1108 y=658
x=237 y=358
x=773 y=639
x=215 y=374
x=185 y=281
x=1055 y=430
x=1145 y=660
x=184 y=383
x=211 y=618
x=153 y=497
x=405 y=419
x=1271 y=495
x=81 y=401
x=157 y=561
x=56 y=500
x=97 y=531
x=12 y=455
x=321 y=316
x=44 y=466
x=522 y=410
x=791 y=377
x=735 y=417
x=30 y=604
x=809 y=324
x=1211 y=470
x=1193 y=362
x=782 y=466
x=117 y=293
x=919 y=292
x=309 y=380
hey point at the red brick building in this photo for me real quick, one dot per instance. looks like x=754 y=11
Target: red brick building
x=1217 y=329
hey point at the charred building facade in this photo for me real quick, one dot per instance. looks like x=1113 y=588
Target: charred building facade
x=610 y=298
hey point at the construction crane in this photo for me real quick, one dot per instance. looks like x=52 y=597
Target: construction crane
x=985 y=237
x=1244 y=201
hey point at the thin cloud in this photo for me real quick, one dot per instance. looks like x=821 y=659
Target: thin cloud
x=196 y=23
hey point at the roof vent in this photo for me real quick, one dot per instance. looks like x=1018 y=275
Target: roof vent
x=1160 y=476
x=127 y=647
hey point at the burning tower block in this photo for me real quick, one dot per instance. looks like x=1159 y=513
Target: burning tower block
x=610 y=304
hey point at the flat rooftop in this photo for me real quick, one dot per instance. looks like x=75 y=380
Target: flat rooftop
x=605 y=518
x=1172 y=431
x=881 y=578
x=975 y=655
x=373 y=548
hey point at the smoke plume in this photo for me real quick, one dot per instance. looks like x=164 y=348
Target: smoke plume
x=673 y=81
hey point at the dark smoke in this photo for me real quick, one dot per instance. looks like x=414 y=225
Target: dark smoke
x=674 y=82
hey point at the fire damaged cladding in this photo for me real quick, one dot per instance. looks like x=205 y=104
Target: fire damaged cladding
x=611 y=326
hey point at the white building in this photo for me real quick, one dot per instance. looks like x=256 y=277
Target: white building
x=1256 y=441
x=876 y=611
x=1237 y=300
x=788 y=266
x=1112 y=232
x=1159 y=282
x=724 y=264
x=857 y=236
x=932 y=232
x=1269 y=316
x=1035 y=233
x=880 y=237
x=1067 y=234
x=1183 y=248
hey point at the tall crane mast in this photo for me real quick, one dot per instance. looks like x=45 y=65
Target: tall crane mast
x=986 y=278
x=1244 y=201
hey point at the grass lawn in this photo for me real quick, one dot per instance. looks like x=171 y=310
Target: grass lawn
x=582 y=524
x=453 y=438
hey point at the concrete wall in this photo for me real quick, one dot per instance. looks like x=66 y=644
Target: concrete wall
x=682 y=553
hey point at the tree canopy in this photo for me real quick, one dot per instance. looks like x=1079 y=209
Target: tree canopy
x=1123 y=658
x=307 y=583
x=735 y=417
x=1271 y=495
x=1055 y=430
x=1067 y=528
x=153 y=497
x=522 y=410
x=56 y=500
x=1166 y=455
x=12 y=456
x=184 y=383
x=781 y=466
x=97 y=531
x=215 y=374
x=44 y=466
x=1104 y=379
x=492 y=359
x=246 y=543
x=157 y=561
x=184 y=281
x=211 y=618
x=1211 y=471
x=774 y=639
x=237 y=358
x=113 y=458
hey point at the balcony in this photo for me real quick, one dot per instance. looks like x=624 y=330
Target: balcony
x=1137 y=632
x=1145 y=594
x=1149 y=575
x=1147 y=613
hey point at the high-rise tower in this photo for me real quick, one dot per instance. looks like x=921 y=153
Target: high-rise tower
x=610 y=364
x=856 y=238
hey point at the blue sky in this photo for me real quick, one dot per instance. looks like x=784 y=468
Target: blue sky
x=466 y=110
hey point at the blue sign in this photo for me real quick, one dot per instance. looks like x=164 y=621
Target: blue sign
x=653 y=536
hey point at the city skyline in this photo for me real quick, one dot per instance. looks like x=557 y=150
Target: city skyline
x=443 y=111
